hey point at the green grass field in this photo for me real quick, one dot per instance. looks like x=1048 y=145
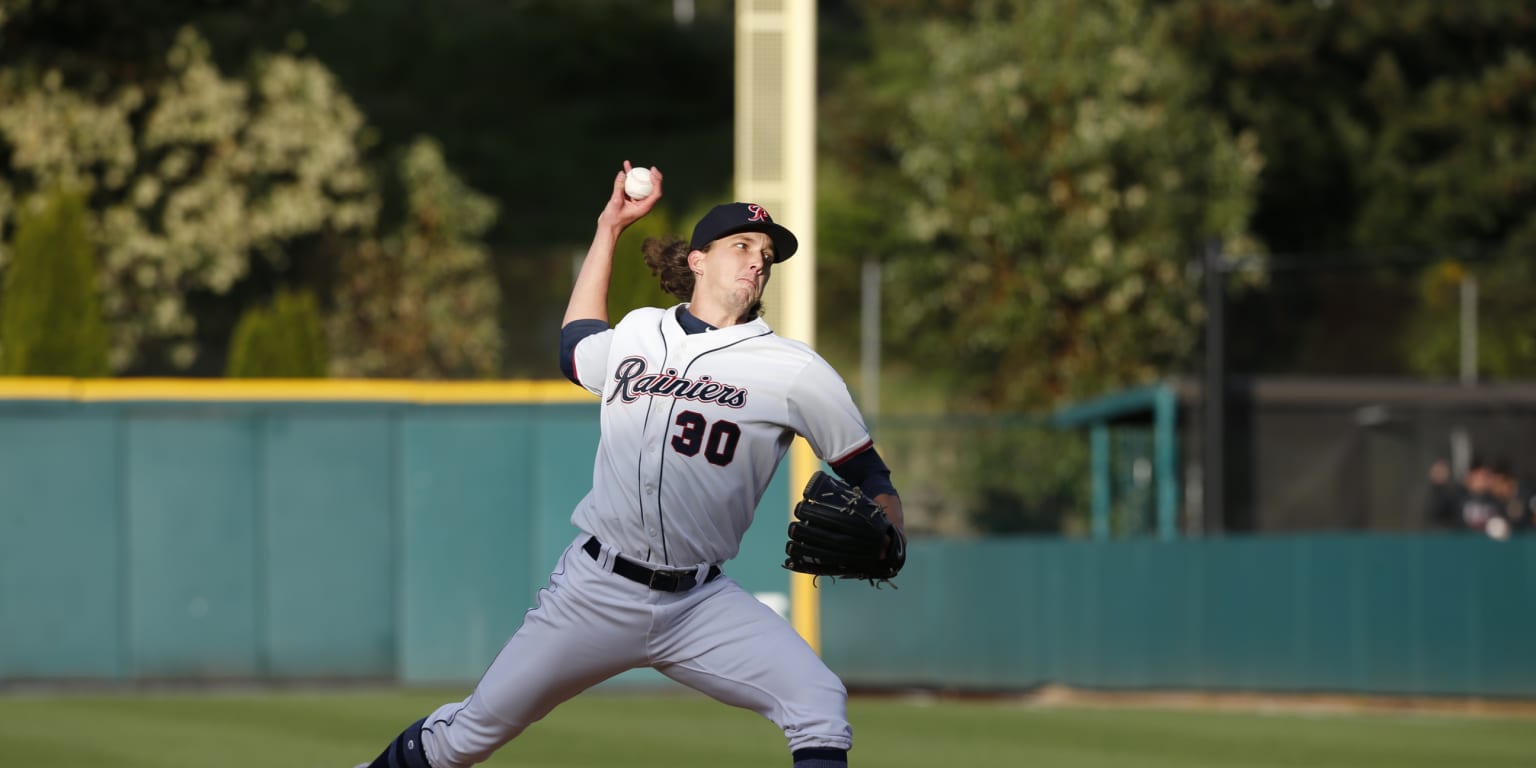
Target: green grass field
x=623 y=730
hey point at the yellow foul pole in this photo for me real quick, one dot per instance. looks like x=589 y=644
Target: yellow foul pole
x=776 y=167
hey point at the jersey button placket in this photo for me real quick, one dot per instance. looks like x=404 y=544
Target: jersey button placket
x=652 y=461
x=655 y=503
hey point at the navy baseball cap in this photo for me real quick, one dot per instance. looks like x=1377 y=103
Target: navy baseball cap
x=730 y=218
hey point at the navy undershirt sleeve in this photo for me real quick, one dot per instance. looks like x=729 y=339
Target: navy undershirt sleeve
x=868 y=471
x=570 y=336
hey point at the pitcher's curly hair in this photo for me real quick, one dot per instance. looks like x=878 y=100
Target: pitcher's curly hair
x=668 y=259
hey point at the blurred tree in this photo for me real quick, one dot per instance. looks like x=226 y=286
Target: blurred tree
x=541 y=100
x=1037 y=177
x=283 y=339
x=538 y=102
x=50 y=315
x=420 y=302
x=515 y=91
x=1391 y=131
x=210 y=191
x=1379 y=121
x=193 y=178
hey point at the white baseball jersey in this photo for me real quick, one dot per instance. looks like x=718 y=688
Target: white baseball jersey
x=693 y=428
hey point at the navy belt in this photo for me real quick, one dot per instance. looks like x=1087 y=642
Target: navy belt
x=664 y=581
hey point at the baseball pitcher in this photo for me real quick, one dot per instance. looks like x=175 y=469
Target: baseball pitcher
x=699 y=403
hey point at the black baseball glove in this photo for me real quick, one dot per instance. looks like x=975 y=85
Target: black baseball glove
x=838 y=531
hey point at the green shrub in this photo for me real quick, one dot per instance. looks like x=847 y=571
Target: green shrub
x=284 y=339
x=50 y=314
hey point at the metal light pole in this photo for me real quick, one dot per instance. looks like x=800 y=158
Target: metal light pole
x=1213 y=452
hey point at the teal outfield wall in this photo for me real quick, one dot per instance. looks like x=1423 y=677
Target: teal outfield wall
x=145 y=539
x=151 y=540
x=1383 y=614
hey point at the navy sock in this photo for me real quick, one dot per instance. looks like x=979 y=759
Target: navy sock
x=406 y=751
x=821 y=757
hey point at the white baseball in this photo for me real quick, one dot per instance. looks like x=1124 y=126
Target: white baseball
x=637 y=183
